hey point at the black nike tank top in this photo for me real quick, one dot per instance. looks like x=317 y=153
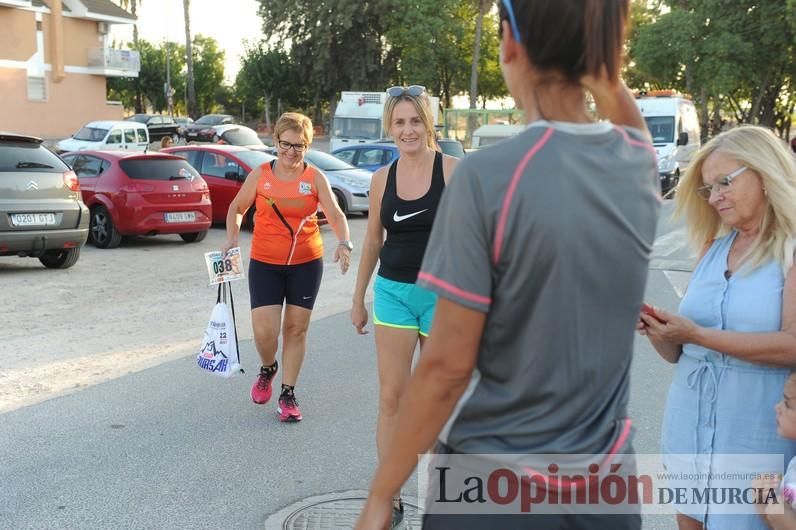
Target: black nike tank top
x=408 y=225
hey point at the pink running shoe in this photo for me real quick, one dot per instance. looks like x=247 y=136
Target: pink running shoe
x=288 y=408
x=261 y=390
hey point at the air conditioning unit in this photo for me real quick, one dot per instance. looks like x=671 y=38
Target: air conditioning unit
x=103 y=28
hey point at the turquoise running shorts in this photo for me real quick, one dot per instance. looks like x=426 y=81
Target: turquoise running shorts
x=403 y=305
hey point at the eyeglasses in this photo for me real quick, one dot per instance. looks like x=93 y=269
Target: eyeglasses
x=299 y=148
x=720 y=186
x=515 y=30
x=398 y=91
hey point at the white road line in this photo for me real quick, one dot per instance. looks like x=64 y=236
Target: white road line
x=678 y=280
x=670 y=243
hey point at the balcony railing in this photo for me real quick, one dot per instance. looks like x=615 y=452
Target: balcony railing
x=115 y=62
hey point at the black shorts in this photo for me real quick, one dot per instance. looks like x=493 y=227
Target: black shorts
x=277 y=284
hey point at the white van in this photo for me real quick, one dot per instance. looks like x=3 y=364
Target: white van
x=492 y=134
x=673 y=123
x=107 y=136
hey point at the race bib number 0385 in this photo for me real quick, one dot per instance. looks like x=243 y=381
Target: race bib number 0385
x=224 y=268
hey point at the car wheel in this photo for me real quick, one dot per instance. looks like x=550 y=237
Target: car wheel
x=101 y=231
x=60 y=259
x=340 y=198
x=193 y=237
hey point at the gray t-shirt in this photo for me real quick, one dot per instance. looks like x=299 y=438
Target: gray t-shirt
x=550 y=234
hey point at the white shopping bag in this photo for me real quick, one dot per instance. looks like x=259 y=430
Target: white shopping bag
x=219 y=354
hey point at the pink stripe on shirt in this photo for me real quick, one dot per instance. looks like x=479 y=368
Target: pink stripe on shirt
x=637 y=143
x=515 y=179
x=453 y=289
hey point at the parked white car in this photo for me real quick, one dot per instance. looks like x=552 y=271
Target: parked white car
x=108 y=135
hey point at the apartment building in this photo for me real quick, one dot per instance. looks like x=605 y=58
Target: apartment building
x=55 y=59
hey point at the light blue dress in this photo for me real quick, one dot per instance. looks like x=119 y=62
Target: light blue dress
x=719 y=404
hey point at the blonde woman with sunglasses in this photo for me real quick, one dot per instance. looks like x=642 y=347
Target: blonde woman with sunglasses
x=404 y=197
x=734 y=336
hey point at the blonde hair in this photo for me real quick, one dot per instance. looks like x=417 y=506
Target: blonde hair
x=763 y=153
x=423 y=107
x=293 y=121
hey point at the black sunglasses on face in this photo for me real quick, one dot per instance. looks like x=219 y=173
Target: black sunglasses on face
x=398 y=91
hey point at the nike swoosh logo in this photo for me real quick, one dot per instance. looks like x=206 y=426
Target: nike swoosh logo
x=306 y=297
x=398 y=218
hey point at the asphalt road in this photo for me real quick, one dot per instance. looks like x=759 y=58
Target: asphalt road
x=163 y=445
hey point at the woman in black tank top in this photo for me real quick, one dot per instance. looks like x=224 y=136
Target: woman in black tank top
x=403 y=202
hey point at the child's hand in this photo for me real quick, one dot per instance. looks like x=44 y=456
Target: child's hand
x=772 y=505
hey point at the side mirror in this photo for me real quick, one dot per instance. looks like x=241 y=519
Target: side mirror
x=682 y=139
x=231 y=174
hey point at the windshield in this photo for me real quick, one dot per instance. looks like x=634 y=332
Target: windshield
x=357 y=128
x=210 y=119
x=91 y=134
x=661 y=128
x=451 y=148
x=28 y=157
x=140 y=118
x=241 y=136
x=254 y=159
x=158 y=169
x=326 y=162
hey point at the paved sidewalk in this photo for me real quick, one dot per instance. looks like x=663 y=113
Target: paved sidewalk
x=171 y=447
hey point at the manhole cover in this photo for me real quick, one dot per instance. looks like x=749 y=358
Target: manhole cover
x=333 y=511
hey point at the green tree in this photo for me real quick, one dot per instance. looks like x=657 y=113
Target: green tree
x=337 y=44
x=208 y=71
x=736 y=59
x=267 y=76
x=434 y=45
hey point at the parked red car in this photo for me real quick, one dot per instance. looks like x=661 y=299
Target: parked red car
x=224 y=168
x=141 y=194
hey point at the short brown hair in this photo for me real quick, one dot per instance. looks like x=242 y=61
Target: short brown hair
x=293 y=121
x=574 y=37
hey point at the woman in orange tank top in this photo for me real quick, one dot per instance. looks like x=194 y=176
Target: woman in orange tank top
x=286 y=262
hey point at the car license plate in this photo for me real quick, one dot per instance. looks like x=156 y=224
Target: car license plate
x=180 y=217
x=33 y=219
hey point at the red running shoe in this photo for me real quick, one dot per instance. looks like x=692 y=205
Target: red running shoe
x=288 y=408
x=261 y=390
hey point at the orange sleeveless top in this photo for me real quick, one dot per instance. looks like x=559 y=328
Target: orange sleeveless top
x=286 y=222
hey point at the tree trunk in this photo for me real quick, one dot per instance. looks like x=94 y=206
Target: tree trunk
x=139 y=98
x=754 y=113
x=192 y=110
x=479 y=22
x=703 y=114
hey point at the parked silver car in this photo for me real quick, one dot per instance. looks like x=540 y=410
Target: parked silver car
x=42 y=214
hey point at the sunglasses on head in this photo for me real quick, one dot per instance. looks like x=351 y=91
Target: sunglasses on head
x=398 y=91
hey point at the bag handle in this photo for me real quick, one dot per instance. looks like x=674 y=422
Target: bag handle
x=222 y=297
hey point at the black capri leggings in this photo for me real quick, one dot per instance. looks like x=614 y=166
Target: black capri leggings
x=277 y=284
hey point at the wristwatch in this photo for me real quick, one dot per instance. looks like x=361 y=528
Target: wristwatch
x=347 y=244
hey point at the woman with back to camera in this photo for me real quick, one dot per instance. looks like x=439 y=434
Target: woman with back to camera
x=286 y=263
x=734 y=336
x=539 y=255
x=403 y=202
